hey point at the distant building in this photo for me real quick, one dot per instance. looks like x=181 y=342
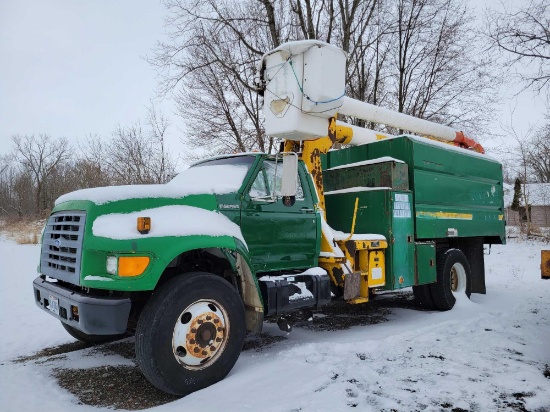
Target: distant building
x=538 y=196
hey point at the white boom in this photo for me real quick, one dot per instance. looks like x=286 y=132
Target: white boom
x=304 y=83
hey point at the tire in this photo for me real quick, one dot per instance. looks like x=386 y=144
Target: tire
x=180 y=347
x=453 y=278
x=91 y=339
x=423 y=296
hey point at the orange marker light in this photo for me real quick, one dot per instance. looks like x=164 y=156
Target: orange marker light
x=132 y=265
x=143 y=225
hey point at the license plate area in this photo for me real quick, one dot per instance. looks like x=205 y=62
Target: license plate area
x=53 y=304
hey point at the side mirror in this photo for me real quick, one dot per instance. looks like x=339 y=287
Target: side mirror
x=289 y=180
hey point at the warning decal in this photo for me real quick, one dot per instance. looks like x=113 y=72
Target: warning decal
x=401 y=206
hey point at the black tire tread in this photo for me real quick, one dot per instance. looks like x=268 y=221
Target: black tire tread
x=441 y=290
x=156 y=308
x=423 y=295
x=437 y=289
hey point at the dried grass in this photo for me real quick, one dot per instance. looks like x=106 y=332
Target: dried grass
x=23 y=231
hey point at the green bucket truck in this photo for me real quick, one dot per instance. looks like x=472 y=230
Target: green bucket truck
x=192 y=265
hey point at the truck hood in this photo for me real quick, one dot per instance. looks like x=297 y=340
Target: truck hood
x=215 y=180
x=185 y=206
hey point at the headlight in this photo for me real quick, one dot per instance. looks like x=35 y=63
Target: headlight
x=112 y=264
x=127 y=266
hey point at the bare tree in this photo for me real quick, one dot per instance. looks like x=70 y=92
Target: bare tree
x=7 y=177
x=539 y=154
x=40 y=156
x=420 y=52
x=524 y=34
x=440 y=74
x=158 y=123
x=211 y=54
x=92 y=163
x=518 y=159
x=137 y=155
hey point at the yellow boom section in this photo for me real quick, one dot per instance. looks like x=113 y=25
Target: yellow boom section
x=360 y=261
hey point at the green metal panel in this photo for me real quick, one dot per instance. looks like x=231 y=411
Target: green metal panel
x=281 y=237
x=384 y=174
x=452 y=188
x=161 y=250
x=384 y=212
x=425 y=268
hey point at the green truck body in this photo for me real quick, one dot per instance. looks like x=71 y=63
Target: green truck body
x=455 y=198
x=243 y=254
x=451 y=188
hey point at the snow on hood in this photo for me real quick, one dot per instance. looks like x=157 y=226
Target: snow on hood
x=167 y=221
x=214 y=179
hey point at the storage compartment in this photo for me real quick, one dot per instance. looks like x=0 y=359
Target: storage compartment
x=425 y=267
x=456 y=192
x=286 y=293
x=381 y=172
x=385 y=212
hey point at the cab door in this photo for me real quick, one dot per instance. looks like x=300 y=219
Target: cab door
x=279 y=237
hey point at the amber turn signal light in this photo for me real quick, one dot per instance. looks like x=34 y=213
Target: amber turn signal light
x=132 y=265
x=143 y=225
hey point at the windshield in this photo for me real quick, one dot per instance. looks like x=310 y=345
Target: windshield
x=215 y=176
x=243 y=160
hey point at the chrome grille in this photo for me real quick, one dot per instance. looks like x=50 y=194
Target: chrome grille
x=62 y=246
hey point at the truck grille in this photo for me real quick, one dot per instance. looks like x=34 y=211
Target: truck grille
x=62 y=246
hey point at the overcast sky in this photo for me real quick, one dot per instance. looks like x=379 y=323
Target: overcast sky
x=73 y=68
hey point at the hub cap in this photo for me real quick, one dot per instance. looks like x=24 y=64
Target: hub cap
x=458 y=279
x=200 y=334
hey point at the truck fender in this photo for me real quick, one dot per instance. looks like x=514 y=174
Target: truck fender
x=238 y=257
x=252 y=298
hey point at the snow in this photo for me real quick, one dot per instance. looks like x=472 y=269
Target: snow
x=447 y=146
x=355 y=189
x=294 y=48
x=368 y=162
x=305 y=293
x=98 y=278
x=328 y=233
x=474 y=357
x=167 y=221
x=338 y=235
x=224 y=156
x=208 y=179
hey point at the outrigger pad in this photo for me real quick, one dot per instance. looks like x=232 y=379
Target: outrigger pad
x=352 y=284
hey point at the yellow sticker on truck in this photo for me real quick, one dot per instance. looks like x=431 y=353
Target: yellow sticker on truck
x=445 y=215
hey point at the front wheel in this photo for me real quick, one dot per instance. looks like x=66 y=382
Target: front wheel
x=190 y=333
x=453 y=279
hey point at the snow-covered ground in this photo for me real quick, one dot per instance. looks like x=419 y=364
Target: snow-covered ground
x=487 y=354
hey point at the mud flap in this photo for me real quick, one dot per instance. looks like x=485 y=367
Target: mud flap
x=352 y=285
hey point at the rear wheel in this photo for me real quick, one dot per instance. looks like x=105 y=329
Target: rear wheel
x=190 y=333
x=92 y=339
x=453 y=279
x=423 y=296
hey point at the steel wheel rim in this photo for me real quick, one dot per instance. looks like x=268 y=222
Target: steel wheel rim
x=458 y=279
x=200 y=334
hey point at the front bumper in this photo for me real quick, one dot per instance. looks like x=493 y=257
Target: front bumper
x=96 y=315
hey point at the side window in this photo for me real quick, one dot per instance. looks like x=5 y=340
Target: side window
x=259 y=188
x=270 y=172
